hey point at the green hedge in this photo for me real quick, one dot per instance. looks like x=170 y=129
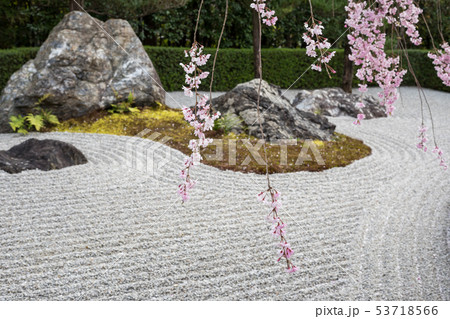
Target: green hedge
x=280 y=66
x=234 y=66
x=11 y=60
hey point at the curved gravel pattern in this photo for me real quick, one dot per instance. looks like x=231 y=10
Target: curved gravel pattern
x=376 y=229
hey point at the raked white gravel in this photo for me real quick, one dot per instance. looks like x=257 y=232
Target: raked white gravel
x=376 y=229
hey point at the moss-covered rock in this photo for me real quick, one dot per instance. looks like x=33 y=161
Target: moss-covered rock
x=341 y=150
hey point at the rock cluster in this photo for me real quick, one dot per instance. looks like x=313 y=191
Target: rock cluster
x=336 y=102
x=280 y=120
x=80 y=66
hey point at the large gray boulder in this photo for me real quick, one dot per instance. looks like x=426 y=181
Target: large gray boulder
x=280 y=120
x=80 y=65
x=336 y=102
x=44 y=155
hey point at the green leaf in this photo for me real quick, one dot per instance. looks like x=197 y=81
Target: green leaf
x=22 y=131
x=48 y=117
x=228 y=122
x=17 y=122
x=130 y=98
x=133 y=110
x=52 y=119
x=116 y=94
x=35 y=120
x=43 y=98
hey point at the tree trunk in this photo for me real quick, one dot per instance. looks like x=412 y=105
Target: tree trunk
x=256 y=44
x=347 y=77
x=75 y=5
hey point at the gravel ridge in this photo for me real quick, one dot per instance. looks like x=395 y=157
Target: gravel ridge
x=377 y=229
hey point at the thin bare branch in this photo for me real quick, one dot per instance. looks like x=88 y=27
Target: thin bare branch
x=217 y=51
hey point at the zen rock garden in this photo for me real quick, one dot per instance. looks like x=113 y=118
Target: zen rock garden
x=95 y=137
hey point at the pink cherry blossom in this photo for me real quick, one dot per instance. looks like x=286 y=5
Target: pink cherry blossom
x=261 y=197
x=278 y=229
x=272 y=198
x=367 y=40
x=200 y=117
x=441 y=61
x=362 y=88
x=422 y=138
x=291 y=269
x=267 y=15
x=188 y=68
x=316 y=67
x=359 y=118
x=197 y=59
x=316 y=45
x=440 y=156
x=285 y=251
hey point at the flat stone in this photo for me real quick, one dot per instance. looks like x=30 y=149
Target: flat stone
x=44 y=155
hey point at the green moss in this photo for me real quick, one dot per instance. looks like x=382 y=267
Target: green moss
x=341 y=151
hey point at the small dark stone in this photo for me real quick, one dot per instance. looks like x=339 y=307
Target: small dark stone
x=280 y=120
x=40 y=154
x=336 y=102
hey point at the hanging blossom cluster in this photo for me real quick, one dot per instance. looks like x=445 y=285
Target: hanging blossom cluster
x=271 y=198
x=440 y=156
x=316 y=42
x=406 y=14
x=268 y=16
x=200 y=118
x=361 y=116
x=422 y=138
x=422 y=146
x=441 y=61
x=194 y=75
x=367 y=42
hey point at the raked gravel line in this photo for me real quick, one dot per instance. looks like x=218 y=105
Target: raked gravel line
x=376 y=229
